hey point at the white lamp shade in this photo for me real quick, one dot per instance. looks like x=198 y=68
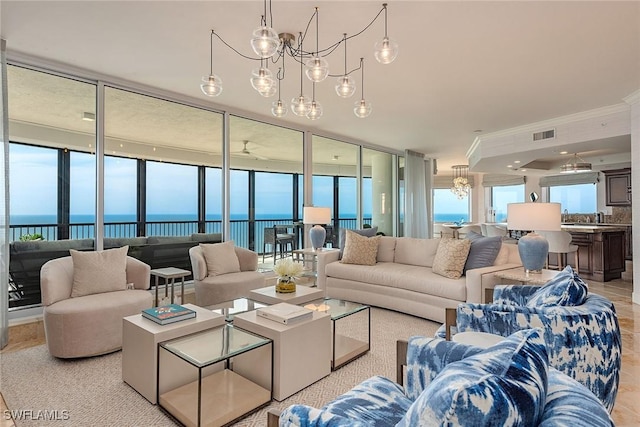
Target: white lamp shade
x=316 y=215
x=534 y=216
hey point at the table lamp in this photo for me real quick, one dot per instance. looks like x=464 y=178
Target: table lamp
x=316 y=216
x=533 y=247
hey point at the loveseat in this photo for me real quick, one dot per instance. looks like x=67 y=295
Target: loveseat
x=448 y=383
x=27 y=258
x=402 y=278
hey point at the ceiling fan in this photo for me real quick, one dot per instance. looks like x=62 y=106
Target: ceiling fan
x=246 y=153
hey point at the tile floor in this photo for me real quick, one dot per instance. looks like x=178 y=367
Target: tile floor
x=625 y=413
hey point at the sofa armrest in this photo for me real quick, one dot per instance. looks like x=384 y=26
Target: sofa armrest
x=498 y=319
x=513 y=294
x=248 y=259
x=198 y=263
x=480 y=279
x=56 y=280
x=426 y=357
x=325 y=258
x=138 y=273
x=307 y=416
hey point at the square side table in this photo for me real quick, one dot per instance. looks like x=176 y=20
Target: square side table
x=301 y=351
x=170 y=274
x=140 y=339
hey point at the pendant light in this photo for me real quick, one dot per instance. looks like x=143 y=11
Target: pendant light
x=262 y=81
x=211 y=84
x=265 y=40
x=362 y=108
x=576 y=165
x=300 y=105
x=317 y=67
x=387 y=49
x=278 y=108
x=346 y=86
x=315 y=108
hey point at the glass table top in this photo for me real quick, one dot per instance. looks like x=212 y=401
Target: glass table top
x=336 y=308
x=230 y=308
x=214 y=345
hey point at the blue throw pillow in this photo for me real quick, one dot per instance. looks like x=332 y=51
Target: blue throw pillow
x=504 y=385
x=483 y=251
x=566 y=289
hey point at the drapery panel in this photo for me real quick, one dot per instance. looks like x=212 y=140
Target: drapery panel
x=417 y=181
x=4 y=199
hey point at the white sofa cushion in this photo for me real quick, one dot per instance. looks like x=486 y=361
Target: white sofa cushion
x=386 y=249
x=414 y=251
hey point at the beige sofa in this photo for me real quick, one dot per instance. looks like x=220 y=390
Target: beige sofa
x=402 y=278
x=92 y=324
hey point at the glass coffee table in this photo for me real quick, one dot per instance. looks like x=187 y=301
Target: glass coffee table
x=351 y=328
x=215 y=377
x=240 y=305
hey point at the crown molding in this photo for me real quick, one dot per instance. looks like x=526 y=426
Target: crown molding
x=634 y=98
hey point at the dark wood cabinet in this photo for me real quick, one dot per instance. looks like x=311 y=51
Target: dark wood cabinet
x=602 y=255
x=618 y=187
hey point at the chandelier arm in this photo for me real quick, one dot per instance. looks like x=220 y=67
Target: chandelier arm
x=384 y=6
x=211 y=56
x=362 y=83
x=233 y=48
x=333 y=47
x=349 y=72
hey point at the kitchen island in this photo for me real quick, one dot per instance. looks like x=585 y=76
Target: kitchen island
x=601 y=250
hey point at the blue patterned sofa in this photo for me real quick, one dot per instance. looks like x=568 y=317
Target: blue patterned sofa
x=580 y=328
x=448 y=383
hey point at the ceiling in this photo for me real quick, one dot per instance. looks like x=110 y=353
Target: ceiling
x=465 y=69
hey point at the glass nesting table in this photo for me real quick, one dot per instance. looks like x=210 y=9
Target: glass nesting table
x=215 y=377
x=350 y=328
x=240 y=305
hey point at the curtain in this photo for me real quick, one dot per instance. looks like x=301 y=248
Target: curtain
x=498 y=180
x=4 y=199
x=416 y=179
x=569 y=179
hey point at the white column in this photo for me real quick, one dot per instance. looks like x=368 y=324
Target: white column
x=634 y=101
x=382 y=189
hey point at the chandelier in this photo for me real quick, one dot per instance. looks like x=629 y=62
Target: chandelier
x=461 y=186
x=575 y=165
x=271 y=47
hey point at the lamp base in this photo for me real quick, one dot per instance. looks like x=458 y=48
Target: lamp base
x=317 y=234
x=533 y=249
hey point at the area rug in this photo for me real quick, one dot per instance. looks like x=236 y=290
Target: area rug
x=90 y=392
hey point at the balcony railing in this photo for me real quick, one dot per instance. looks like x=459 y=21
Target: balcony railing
x=240 y=233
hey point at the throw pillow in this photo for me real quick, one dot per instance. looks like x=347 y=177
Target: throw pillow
x=504 y=385
x=221 y=258
x=451 y=257
x=367 y=232
x=95 y=272
x=483 y=251
x=359 y=249
x=566 y=289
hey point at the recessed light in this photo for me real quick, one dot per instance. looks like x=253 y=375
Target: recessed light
x=477 y=131
x=516 y=161
x=564 y=152
x=523 y=170
x=509 y=166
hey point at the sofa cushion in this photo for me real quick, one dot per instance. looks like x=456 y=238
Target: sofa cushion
x=207 y=237
x=504 y=385
x=565 y=289
x=221 y=258
x=359 y=249
x=386 y=249
x=168 y=239
x=96 y=272
x=410 y=250
x=483 y=251
x=368 y=232
x=451 y=257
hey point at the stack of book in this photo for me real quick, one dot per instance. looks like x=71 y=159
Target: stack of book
x=168 y=314
x=285 y=313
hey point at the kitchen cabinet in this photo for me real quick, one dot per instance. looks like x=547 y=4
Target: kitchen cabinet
x=618 y=187
x=602 y=251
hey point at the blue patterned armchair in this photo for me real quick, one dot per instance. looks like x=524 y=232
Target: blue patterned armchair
x=583 y=340
x=448 y=383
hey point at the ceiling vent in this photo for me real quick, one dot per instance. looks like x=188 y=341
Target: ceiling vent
x=545 y=134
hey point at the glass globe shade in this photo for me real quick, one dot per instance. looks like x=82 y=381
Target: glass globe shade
x=278 y=108
x=300 y=106
x=265 y=42
x=211 y=85
x=386 y=50
x=261 y=79
x=317 y=69
x=346 y=87
x=362 y=109
x=269 y=91
x=315 y=111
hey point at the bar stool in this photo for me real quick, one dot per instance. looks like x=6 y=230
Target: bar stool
x=560 y=244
